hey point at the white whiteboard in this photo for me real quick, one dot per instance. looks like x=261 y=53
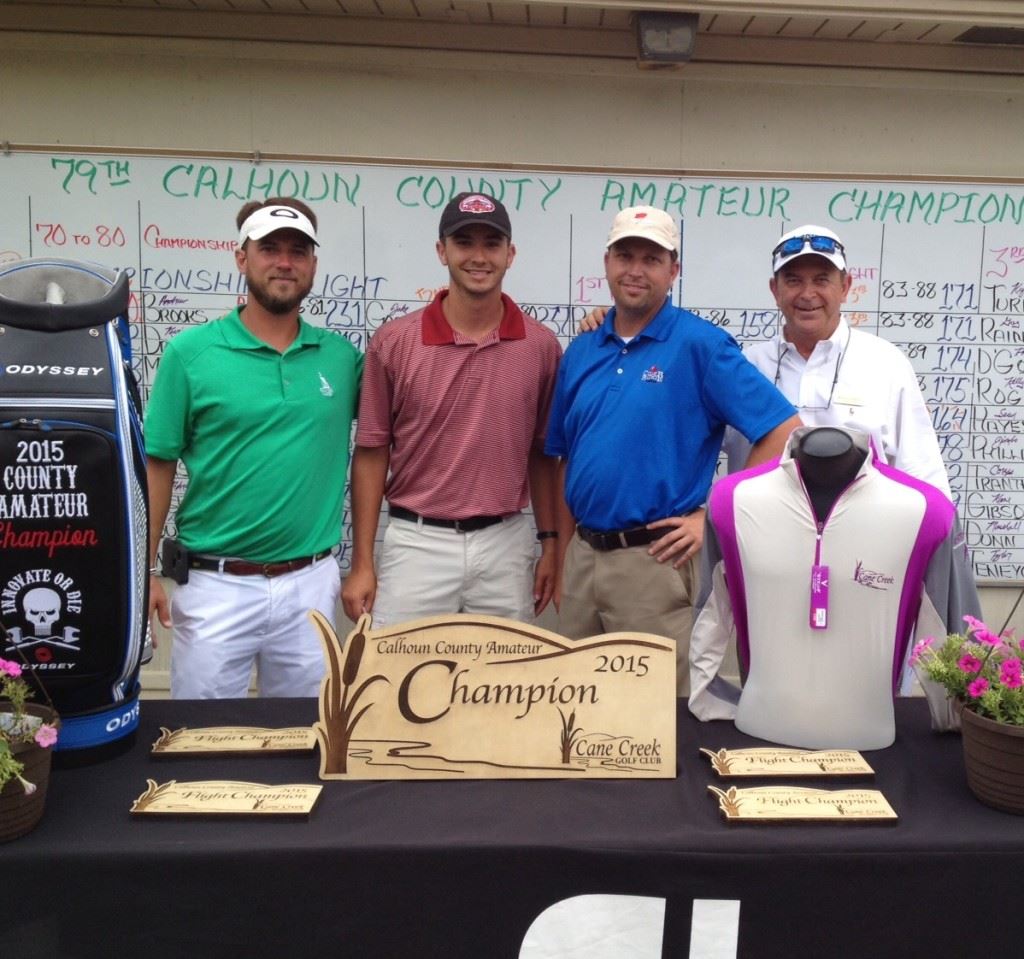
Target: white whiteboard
x=938 y=268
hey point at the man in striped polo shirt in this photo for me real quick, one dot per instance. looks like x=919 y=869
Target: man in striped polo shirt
x=454 y=403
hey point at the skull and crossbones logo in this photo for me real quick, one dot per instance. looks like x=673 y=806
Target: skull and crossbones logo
x=41 y=610
x=42 y=607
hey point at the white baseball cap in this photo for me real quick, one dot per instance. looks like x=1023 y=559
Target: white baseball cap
x=269 y=219
x=809 y=240
x=646 y=223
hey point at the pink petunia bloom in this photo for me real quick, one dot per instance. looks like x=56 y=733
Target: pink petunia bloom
x=979 y=686
x=969 y=663
x=987 y=637
x=1011 y=680
x=979 y=632
x=1011 y=674
x=46 y=736
x=919 y=649
x=10 y=668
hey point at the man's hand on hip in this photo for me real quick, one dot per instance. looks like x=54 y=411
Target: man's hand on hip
x=682 y=540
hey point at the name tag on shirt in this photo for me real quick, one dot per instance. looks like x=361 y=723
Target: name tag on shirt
x=847 y=398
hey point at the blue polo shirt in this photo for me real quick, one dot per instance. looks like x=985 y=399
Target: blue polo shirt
x=641 y=423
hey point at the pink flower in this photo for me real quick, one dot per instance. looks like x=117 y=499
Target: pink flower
x=979 y=686
x=980 y=632
x=919 y=649
x=1010 y=674
x=46 y=735
x=1011 y=680
x=11 y=669
x=969 y=663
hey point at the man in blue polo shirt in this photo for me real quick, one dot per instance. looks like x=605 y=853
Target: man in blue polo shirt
x=639 y=411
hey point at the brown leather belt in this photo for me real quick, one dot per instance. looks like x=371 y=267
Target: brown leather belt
x=618 y=539
x=242 y=567
x=468 y=525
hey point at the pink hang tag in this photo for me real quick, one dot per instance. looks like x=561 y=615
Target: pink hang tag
x=819 y=597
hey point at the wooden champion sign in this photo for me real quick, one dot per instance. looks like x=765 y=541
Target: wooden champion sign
x=478 y=697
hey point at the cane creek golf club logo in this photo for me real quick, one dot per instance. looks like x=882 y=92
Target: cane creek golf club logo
x=871 y=579
x=36 y=606
x=581 y=747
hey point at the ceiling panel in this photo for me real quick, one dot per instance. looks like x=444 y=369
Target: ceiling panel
x=765 y=26
x=900 y=34
x=545 y=15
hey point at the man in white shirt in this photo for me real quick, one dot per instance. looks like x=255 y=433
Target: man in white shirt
x=835 y=374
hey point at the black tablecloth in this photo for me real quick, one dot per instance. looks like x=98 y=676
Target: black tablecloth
x=444 y=869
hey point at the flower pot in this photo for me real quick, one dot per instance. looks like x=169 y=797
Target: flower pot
x=994 y=757
x=19 y=811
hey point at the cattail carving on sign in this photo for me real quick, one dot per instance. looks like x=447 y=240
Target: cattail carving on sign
x=338 y=700
x=570 y=733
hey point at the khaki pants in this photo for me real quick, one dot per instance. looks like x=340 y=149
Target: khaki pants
x=428 y=570
x=629 y=590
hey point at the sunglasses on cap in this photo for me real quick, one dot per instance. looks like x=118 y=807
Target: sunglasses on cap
x=819 y=244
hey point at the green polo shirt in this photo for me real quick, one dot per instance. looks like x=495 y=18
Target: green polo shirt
x=264 y=437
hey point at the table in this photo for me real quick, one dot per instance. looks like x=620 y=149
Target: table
x=443 y=869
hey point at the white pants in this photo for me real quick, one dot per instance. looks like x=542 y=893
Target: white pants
x=223 y=623
x=428 y=570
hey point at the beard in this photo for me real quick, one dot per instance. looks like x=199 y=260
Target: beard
x=277 y=305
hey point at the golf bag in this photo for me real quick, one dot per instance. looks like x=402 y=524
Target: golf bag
x=73 y=510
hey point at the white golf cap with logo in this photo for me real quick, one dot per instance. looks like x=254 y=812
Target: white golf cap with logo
x=269 y=219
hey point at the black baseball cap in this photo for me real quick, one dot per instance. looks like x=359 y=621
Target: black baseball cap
x=469 y=208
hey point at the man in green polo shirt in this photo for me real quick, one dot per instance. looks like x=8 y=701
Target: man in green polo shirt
x=258 y=406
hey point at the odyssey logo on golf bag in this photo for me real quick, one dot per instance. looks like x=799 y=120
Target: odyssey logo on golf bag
x=73 y=517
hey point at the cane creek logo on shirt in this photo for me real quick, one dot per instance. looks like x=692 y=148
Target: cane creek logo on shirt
x=653 y=375
x=871 y=579
x=325 y=387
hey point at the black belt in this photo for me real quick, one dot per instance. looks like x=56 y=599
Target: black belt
x=468 y=525
x=242 y=567
x=618 y=539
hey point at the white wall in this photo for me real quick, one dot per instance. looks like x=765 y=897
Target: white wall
x=472 y=109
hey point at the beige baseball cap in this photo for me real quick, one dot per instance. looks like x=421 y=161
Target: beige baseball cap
x=645 y=223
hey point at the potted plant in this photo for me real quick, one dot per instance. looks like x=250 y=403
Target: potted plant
x=27 y=731
x=984 y=673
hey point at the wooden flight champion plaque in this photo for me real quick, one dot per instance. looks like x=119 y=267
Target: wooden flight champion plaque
x=479 y=697
x=225 y=798
x=233 y=740
x=782 y=761
x=767 y=804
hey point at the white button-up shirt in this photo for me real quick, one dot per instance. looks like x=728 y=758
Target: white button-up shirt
x=858 y=380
